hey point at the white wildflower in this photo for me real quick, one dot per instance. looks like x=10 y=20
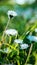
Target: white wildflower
x=6 y=50
x=24 y=46
x=11 y=32
x=11 y=14
x=18 y=41
x=32 y=38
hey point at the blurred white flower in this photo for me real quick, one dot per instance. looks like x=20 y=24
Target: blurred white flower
x=20 y=1
x=36 y=30
x=11 y=14
x=11 y=32
x=1 y=50
x=32 y=38
x=6 y=50
x=31 y=1
x=24 y=46
x=18 y=41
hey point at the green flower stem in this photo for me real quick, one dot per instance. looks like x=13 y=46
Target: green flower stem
x=5 y=38
x=15 y=36
x=30 y=29
x=18 y=59
x=28 y=54
x=36 y=59
x=5 y=29
x=18 y=62
x=10 y=39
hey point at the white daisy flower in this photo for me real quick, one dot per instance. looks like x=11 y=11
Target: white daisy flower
x=11 y=14
x=18 y=41
x=36 y=30
x=11 y=32
x=24 y=46
x=32 y=38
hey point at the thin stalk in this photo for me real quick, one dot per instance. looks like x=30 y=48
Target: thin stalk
x=30 y=29
x=5 y=38
x=9 y=39
x=5 y=29
x=36 y=59
x=18 y=59
x=28 y=54
x=18 y=62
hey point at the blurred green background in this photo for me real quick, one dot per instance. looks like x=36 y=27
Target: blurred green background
x=26 y=12
x=27 y=16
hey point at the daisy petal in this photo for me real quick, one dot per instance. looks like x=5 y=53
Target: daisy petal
x=11 y=32
x=18 y=41
x=24 y=46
